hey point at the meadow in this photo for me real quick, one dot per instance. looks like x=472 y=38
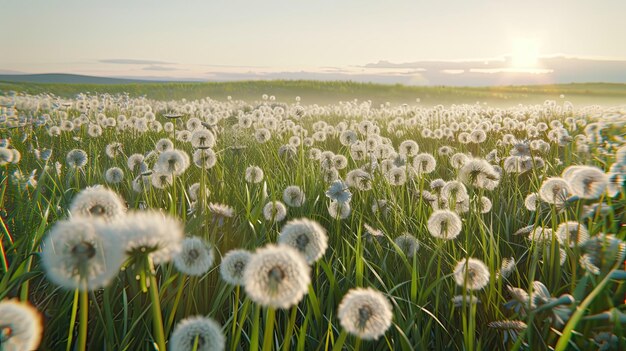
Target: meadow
x=245 y=216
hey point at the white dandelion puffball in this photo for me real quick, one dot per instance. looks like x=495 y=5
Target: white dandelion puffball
x=588 y=182
x=339 y=210
x=172 y=162
x=98 y=202
x=78 y=253
x=76 y=158
x=114 y=175
x=20 y=326
x=531 y=201
x=233 y=266
x=277 y=276
x=293 y=196
x=149 y=232
x=365 y=313
x=307 y=236
x=203 y=332
x=274 y=211
x=444 y=224
x=572 y=233
x=408 y=244
x=471 y=273
x=195 y=257
x=254 y=174
x=554 y=190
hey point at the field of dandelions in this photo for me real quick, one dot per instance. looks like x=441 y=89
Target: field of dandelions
x=136 y=224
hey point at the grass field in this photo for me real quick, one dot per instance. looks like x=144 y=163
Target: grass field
x=427 y=226
x=315 y=92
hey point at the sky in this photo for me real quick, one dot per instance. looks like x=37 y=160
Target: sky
x=217 y=39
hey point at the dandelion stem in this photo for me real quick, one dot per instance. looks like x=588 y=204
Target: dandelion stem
x=157 y=318
x=254 y=339
x=84 y=319
x=268 y=335
x=70 y=334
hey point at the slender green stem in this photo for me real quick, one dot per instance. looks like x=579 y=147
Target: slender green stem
x=157 y=318
x=268 y=335
x=84 y=320
x=254 y=339
x=70 y=334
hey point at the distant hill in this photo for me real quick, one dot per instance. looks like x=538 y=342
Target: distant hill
x=62 y=78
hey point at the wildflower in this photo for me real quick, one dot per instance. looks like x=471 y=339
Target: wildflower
x=113 y=149
x=197 y=333
x=149 y=233
x=293 y=196
x=274 y=211
x=365 y=313
x=202 y=138
x=531 y=201
x=458 y=300
x=588 y=183
x=254 y=174
x=277 y=276
x=220 y=212
x=554 y=190
x=76 y=158
x=424 y=163
x=114 y=175
x=339 y=191
x=135 y=163
x=98 y=201
x=172 y=161
x=408 y=244
x=20 y=326
x=371 y=233
x=472 y=274
x=339 y=210
x=164 y=145
x=79 y=254
x=572 y=233
x=204 y=158
x=233 y=266
x=195 y=257
x=307 y=236
x=444 y=224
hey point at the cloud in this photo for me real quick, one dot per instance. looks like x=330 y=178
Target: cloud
x=159 y=68
x=134 y=62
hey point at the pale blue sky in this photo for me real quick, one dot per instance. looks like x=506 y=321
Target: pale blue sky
x=74 y=36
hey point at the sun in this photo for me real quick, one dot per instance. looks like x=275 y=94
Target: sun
x=525 y=53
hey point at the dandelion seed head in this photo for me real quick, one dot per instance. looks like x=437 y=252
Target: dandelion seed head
x=365 y=313
x=277 y=276
x=20 y=326
x=195 y=257
x=472 y=274
x=202 y=332
x=305 y=235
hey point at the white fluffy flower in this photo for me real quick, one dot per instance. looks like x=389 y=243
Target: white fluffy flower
x=79 y=253
x=471 y=273
x=20 y=326
x=99 y=202
x=195 y=257
x=233 y=266
x=277 y=276
x=365 y=313
x=305 y=235
x=202 y=332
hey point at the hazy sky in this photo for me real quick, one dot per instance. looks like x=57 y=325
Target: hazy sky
x=82 y=36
